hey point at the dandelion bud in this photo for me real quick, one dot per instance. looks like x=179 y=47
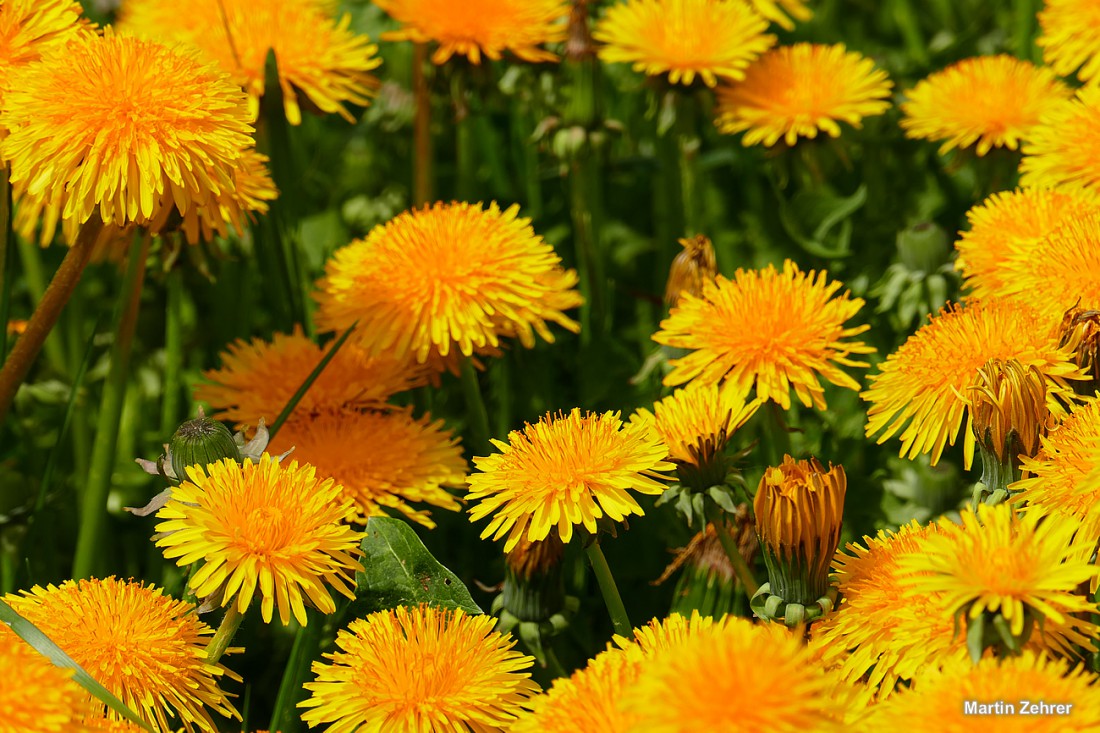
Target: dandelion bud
x=691 y=268
x=201 y=441
x=709 y=583
x=1081 y=333
x=534 y=589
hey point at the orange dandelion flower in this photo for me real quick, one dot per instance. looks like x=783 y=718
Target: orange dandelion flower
x=589 y=701
x=783 y=12
x=36 y=695
x=1069 y=37
x=148 y=649
x=278 y=528
x=800 y=90
x=565 y=470
x=684 y=38
x=1062 y=150
x=31 y=28
x=450 y=277
x=920 y=389
x=777 y=330
x=989 y=102
x=477 y=28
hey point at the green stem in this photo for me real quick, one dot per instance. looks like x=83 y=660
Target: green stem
x=46 y=314
x=465 y=166
x=422 y=128
x=7 y=244
x=715 y=515
x=475 y=409
x=687 y=146
x=93 y=506
x=554 y=663
x=1024 y=12
x=777 y=438
x=301 y=391
x=619 y=620
x=223 y=637
x=173 y=352
x=306 y=640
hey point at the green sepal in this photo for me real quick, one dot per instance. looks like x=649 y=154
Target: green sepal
x=724 y=497
x=975 y=638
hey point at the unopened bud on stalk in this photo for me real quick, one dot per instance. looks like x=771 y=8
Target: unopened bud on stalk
x=201 y=441
x=708 y=584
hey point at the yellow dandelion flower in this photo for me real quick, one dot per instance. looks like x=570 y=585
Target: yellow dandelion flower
x=1068 y=37
x=319 y=58
x=31 y=28
x=920 y=389
x=877 y=631
x=125 y=127
x=589 y=701
x=783 y=12
x=278 y=527
x=988 y=101
x=418 y=670
x=36 y=695
x=148 y=649
x=382 y=459
x=445 y=278
x=1080 y=332
x=1062 y=150
x=1020 y=567
x=257 y=378
x=684 y=38
x=565 y=470
x=477 y=28
x=108 y=725
x=251 y=192
x=797 y=91
x=1006 y=228
x=776 y=329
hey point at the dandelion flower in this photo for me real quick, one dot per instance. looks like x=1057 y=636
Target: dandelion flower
x=1062 y=150
x=319 y=58
x=1068 y=37
x=382 y=459
x=988 y=101
x=257 y=378
x=36 y=695
x=797 y=91
x=417 y=670
x=920 y=389
x=125 y=127
x=589 y=701
x=565 y=470
x=1007 y=228
x=445 y=278
x=776 y=329
x=278 y=527
x=31 y=28
x=684 y=38
x=148 y=649
x=783 y=12
x=477 y=28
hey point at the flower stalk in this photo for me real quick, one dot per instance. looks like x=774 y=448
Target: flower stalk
x=223 y=637
x=729 y=544
x=422 y=128
x=610 y=591
x=476 y=411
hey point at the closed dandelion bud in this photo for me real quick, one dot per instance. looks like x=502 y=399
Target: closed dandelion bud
x=201 y=441
x=799 y=508
x=1081 y=333
x=534 y=589
x=692 y=267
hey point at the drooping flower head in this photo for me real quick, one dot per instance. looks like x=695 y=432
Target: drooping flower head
x=478 y=28
x=450 y=277
x=380 y=459
x=419 y=670
x=36 y=695
x=1080 y=333
x=124 y=129
x=148 y=649
x=1062 y=150
x=691 y=269
x=684 y=38
x=783 y=12
x=1069 y=37
x=920 y=389
x=800 y=90
x=31 y=28
x=565 y=470
x=274 y=528
x=319 y=58
x=986 y=102
x=777 y=330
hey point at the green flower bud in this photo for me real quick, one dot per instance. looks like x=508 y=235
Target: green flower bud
x=201 y=441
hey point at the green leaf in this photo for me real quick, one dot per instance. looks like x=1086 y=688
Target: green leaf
x=42 y=644
x=401 y=572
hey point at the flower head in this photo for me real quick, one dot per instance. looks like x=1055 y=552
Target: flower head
x=124 y=127
x=776 y=329
x=1069 y=38
x=36 y=695
x=988 y=101
x=1081 y=334
x=31 y=28
x=797 y=91
x=319 y=58
x=589 y=701
x=148 y=649
x=684 y=38
x=783 y=12
x=477 y=28
x=920 y=388
x=565 y=470
x=1008 y=413
x=417 y=670
x=690 y=269
x=1062 y=150
x=380 y=459
x=278 y=527
x=450 y=277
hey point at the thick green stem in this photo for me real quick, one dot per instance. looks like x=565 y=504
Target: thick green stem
x=475 y=409
x=687 y=147
x=306 y=640
x=715 y=516
x=619 y=620
x=422 y=128
x=93 y=508
x=173 y=352
x=223 y=637
x=1023 y=35
x=46 y=314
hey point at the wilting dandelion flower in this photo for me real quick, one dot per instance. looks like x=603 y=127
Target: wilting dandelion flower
x=800 y=90
x=783 y=12
x=145 y=647
x=477 y=28
x=1068 y=37
x=690 y=269
x=419 y=670
x=31 y=28
x=1006 y=229
x=36 y=695
x=565 y=470
x=988 y=102
x=919 y=390
x=1062 y=150
x=450 y=277
x=1080 y=333
x=278 y=528
x=684 y=38
x=319 y=58
x=381 y=459
x=777 y=330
